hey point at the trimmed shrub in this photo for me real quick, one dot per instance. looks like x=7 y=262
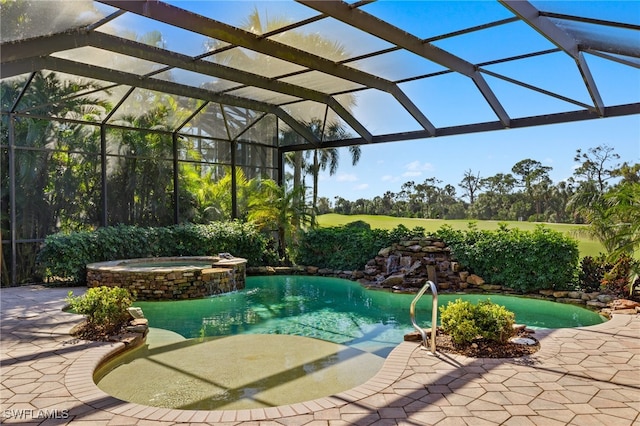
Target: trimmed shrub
x=526 y=261
x=347 y=247
x=105 y=308
x=64 y=256
x=464 y=321
x=494 y=321
x=457 y=319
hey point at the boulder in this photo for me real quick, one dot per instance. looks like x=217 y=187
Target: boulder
x=135 y=312
x=596 y=304
x=620 y=304
x=605 y=298
x=415 y=336
x=575 y=295
x=491 y=287
x=393 y=280
x=384 y=252
x=474 y=279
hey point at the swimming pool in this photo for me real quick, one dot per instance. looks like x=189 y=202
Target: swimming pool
x=334 y=310
x=205 y=353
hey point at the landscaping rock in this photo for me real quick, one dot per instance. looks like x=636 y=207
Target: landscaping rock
x=491 y=287
x=605 y=298
x=473 y=279
x=596 y=304
x=393 y=280
x=621 y=304
x=574 y=295
x=135 y=312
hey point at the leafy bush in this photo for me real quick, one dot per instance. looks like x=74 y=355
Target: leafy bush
x=458 y=321
x=592 y=272
x=494 y=321
x=347 y=247
x=464 y=321
x=522 y=260
x=601 y=274
x=617 y=280
x=65 y=256
x=105 y=307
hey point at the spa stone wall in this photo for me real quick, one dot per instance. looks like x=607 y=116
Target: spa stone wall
x=164 y=284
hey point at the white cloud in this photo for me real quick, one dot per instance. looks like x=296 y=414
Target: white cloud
x=411 y=173
x=361 y=187
x=417 y=166
x=346 y=177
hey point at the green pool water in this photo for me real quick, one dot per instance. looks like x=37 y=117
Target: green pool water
x=334 y=310
x=284 y=339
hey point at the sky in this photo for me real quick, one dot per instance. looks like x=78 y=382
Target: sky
x=385 y=167
x=452 y=99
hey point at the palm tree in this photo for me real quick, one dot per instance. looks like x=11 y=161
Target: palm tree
x=324 y=158
x=280 y=209
x=323 y=130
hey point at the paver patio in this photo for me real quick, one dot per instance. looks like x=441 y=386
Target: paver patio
x=581 y=376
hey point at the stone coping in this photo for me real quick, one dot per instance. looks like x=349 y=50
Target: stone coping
x=130 y=264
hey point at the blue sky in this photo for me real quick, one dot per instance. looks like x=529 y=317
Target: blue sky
x=385 y=167
x=453 y=99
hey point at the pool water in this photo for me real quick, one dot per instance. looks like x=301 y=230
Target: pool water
x=281 y=340
x=335 y=310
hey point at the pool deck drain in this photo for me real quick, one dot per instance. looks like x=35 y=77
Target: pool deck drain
x=582 y=376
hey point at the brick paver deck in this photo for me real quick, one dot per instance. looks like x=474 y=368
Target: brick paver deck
x=582 y=376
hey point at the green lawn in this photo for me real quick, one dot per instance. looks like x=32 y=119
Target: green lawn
x=587 y=246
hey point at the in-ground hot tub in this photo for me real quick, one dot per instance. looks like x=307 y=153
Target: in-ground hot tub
x=171 y=278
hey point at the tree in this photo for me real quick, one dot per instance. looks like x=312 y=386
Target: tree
x=277 y=208
x=327 y=157
x=324 y=129
x=56 y=166
x=471 y=184
x=558 y=203
x=500 y=183
x=534 y=177
x=22 y=19
x=531 y=172
x=595 y=165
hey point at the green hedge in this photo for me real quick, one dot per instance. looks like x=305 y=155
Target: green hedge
x=64 y=256
x=348 y=247
x=526 y=261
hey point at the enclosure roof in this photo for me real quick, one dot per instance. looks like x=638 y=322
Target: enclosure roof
x=385 y=71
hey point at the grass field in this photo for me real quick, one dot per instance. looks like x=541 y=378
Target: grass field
x=587 y=246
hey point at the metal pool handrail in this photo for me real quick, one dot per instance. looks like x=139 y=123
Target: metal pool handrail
x=434 y=315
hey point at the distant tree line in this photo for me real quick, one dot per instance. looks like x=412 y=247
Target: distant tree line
x=527 y=193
